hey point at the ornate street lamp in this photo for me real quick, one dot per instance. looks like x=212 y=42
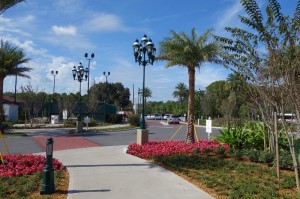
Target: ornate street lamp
x=144 y=54
x=89 y=59
x=80 y=74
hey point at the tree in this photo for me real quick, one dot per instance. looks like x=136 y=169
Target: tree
x=112 y=93
x=147 y=94
x=236 y=85
x=67 y=102
x=92 y=102
x=189 y=51
x=11 y=57
x=38 y=102
x=181 y=92
x=27 y=95
x=217 y=92
x=273 y=72
x=6 y=4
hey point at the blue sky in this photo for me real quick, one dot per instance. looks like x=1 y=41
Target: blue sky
x=56 y=34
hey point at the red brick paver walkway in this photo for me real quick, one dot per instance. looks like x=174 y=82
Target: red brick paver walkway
x=65 y=142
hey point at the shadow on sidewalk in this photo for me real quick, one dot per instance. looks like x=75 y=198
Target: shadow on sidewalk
x=113 y=165
x=82 y=191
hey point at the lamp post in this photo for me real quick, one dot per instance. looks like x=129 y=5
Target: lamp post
x=16 y=80
x=106 y=75
x=48 y=186
x=140 y=50
x=139 y=99
x=144 y=54
x=54 y=73
x=89 y=59
x=80 y=74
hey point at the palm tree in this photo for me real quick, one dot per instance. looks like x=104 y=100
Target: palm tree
x=5 y=4
x=181 y=92
x=190 y=52
x=147 y=94
x=10 y=59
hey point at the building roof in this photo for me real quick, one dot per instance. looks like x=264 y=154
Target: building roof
x=9 y=99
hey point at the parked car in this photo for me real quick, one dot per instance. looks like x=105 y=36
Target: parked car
x=167 y=116
x=173 y=120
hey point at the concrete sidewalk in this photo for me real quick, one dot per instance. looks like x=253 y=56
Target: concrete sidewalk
x=110 y=173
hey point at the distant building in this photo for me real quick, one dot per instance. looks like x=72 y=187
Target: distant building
x=11 y=109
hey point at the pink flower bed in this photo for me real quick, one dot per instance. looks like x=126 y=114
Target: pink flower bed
x=165 y=148
x=16 y=165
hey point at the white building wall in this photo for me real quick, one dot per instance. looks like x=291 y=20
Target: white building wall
x=11 y=112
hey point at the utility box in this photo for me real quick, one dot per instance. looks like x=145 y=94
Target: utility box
x=54 y=119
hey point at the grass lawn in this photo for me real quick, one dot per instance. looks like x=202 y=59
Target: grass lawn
x=29 y=186
x=228 y=178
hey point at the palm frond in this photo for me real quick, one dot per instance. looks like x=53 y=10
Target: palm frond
x=6 y=4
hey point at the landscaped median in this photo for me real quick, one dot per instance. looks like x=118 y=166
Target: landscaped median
x=218 y=170
x=166 y=148
x=21 y=177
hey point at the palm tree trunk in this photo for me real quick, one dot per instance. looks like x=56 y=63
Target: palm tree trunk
x=190 y=138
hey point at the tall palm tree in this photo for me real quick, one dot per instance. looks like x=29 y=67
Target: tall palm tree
x=181 y=92
x=10 y=59
x=190 y=52
x=5 y=4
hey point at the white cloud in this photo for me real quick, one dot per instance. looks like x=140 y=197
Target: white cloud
x=4 y=20
x=27 y=20
x=67 y=30
x=103 y=22
x=229 y=17
x=71 y=43
x=17 y=25
x=210 y=73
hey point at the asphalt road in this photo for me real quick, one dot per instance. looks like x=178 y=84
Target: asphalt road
x=157 y=131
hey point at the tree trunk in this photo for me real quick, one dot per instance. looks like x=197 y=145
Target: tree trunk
x=190 y=138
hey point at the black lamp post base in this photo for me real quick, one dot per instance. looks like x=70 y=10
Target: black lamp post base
x=48 y=182
x=47 y=190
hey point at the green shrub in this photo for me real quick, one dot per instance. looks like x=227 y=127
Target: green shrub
x=114 y=118
x=266 y=157
x=231 y=151
x=196 y=150
x=220 y=152
x=288 y=182
x=134 y=120
x=92 y=122
x=285 y=160
x=70 y=123
x=253 y=155
x=237 y=154
x=240 y=137
x=235 y=137
x=207 y=151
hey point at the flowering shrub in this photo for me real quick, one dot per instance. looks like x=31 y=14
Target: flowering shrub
x=16 y=165
x=165 y=148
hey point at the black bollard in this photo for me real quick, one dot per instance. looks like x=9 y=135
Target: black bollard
x=48 y=173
